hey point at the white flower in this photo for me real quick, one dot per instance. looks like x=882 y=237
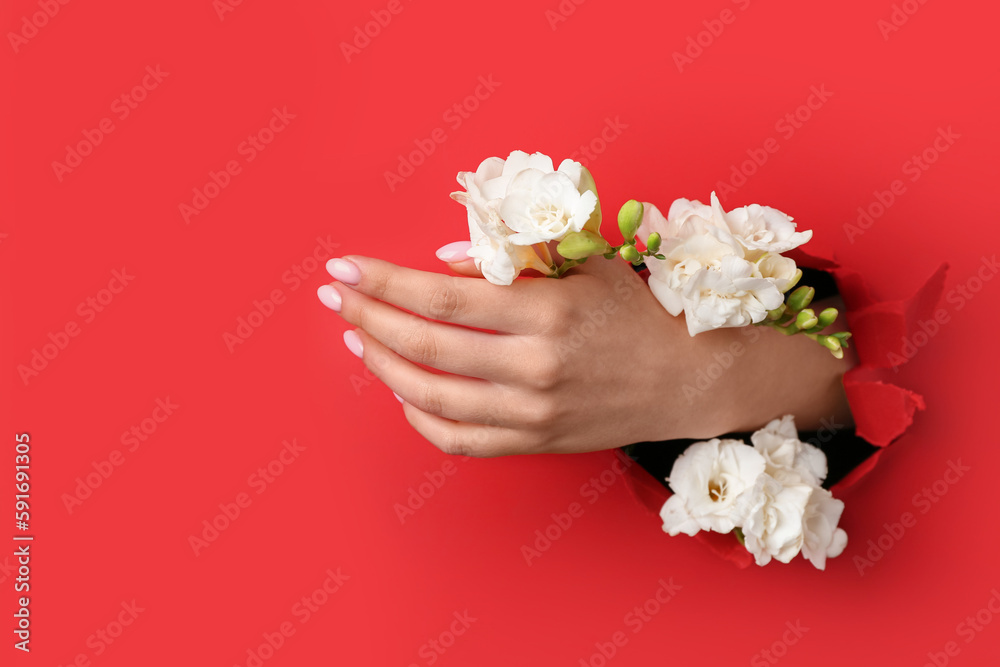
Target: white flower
x=707 y=479
x=772 y=519
x=499 y=260
x=721 y=269
x=788 y=458
x=761 y=228
x=516 y=203
x=822 y=538
x=542 y=207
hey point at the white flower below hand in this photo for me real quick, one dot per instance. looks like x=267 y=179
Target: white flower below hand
x=822 y=538
x=707 y=479
x=770 y=491
x=772 y=519
x=788 y=458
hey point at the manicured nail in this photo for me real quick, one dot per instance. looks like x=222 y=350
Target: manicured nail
x=454 y=252
x=398 y=397
x=353 y=343
x=344 y=271
x=330 y=297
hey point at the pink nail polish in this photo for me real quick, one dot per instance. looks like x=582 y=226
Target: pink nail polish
x=330 y=297
x=353 y=343
x=398 y=397
x=344 y=271
x=454 y=252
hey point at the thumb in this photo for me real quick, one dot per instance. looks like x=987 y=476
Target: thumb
x=456 y=256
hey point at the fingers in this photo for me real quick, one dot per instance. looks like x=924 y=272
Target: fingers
x=443 y=346
x=461 y=439
x=447 y=396
x=466 y=301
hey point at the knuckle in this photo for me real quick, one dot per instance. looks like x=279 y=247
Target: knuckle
x=377 y=363
x=557 y=317
x=445 y=300
x=540 y=412
x=379 y=283
x=418 y=344
x=429 y=399
x=454 y=446
x=546 y=372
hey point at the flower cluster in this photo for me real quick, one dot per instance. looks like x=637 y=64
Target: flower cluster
x=719 y=268
x=768 y=493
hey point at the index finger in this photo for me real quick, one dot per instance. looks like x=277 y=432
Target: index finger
x=471 y=302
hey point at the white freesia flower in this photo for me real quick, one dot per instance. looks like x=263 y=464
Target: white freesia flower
x=707 y=479
x=761 y=228
x=772 y=519
x=822 y=538
x=770 y=491
x=721 y=269
x=516 y=203
x=788 y=458
x=499 y=260
x=542 y=207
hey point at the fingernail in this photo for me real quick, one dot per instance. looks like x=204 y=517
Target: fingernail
x=344 y=271
x=454 y=252
x=398 y=397
x=353 y=343
x=330 y=297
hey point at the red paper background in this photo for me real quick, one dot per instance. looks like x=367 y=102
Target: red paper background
x=323 y=177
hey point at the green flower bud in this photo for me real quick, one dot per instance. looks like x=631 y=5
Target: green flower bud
x=630 y=254
x=827 y=317
x=831 y=343
x=795 y=280
x=580 y=245
x=653 y=243
x=800 y=298
x=629 y=219
x=806 y=319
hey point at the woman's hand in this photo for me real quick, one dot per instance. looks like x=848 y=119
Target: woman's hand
x=590 y=361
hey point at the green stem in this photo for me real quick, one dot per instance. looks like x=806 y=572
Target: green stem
x=564 y=267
